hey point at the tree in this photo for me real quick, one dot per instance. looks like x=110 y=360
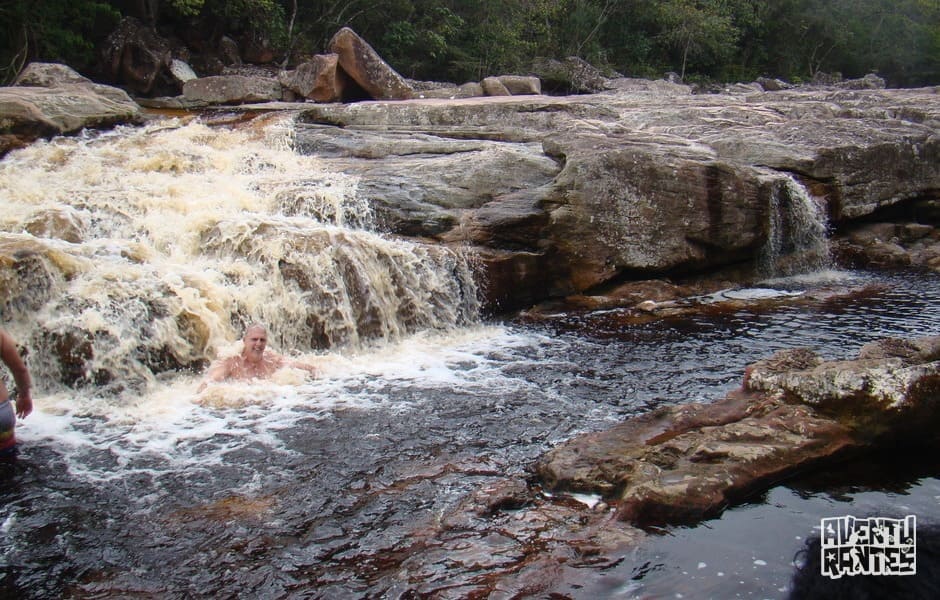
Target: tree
x=420 y=42
x=698 y=29
x=52 y=30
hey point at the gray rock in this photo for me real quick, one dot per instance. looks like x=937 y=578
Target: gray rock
x=181 y=71
x=519 y=85
x=37 y=74
x=647 y=177
x=572 y=75
x=493 y=86
x=466 y=90
x=232 y=89
x=44 y=111
x=773 y=85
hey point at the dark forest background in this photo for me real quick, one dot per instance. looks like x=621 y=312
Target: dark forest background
x=443 y=40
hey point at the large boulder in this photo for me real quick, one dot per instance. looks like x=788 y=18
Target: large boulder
x=493 y=86
x=232 y=89
x=364 y=65
x=794 y=412
x=520 y=85
x=651 y=207
x=317 y=79
x=66 y=103
x=49 y=75
x=572 y=75
x=135 y=56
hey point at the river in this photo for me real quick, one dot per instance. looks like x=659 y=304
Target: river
x=130 y=484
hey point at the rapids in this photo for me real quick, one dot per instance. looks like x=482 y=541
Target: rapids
x=148 y=249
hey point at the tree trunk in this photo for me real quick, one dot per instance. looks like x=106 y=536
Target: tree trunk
x=685 y=56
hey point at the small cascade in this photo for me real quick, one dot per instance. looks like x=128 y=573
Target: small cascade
x=797 y=239
x=146 y=250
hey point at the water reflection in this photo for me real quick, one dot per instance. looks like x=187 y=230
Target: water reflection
x=751 y=550
x=330 y=488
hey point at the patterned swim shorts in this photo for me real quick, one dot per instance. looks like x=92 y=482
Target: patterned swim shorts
x=7 y=425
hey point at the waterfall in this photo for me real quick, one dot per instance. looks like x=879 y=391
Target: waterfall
x=145 y=250
x=797 y=237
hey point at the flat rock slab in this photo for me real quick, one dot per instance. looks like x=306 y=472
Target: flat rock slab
x=684 y=463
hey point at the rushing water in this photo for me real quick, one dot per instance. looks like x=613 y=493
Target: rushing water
x=798 y=233
x=327 y=488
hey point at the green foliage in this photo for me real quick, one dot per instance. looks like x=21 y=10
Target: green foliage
x=52 y=30
x=422 y=47
x=895 y=38
x=470 y=39
x=700 y=31
x=186 y=8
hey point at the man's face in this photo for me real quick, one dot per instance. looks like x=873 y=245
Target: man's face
x=255 y=341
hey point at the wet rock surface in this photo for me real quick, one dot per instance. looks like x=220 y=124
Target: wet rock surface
x=430 y=494
x=566 y=195
x=794 y=412
x=51 y=99
x=638 y=181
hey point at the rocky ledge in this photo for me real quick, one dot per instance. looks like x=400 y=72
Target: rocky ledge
x=51 y=99
x=579 y=194
x=793 y=412
x=559 y=196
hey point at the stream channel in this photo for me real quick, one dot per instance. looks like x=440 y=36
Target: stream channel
x=299 y=488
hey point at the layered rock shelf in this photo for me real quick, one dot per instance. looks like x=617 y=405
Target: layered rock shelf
x=572 y=195
x=794 y=412
x=577 y=194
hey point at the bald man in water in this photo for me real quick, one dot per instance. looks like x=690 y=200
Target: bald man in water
x=253 y=362
x=24 y=402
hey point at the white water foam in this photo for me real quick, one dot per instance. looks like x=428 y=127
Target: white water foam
x=798 y=232
x=174 y=429
x=145 y=250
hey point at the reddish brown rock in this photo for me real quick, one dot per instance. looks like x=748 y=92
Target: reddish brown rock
x=364 y=65
x=318 y=79
x=795 y=411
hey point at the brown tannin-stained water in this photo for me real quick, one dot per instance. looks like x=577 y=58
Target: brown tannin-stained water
x=129 y=484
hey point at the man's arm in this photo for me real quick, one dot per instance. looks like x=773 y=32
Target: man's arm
x=296 y=364
x=280 y=361
x=11 y=358
x=220 y=370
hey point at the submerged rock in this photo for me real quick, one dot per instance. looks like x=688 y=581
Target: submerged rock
x=794 y=412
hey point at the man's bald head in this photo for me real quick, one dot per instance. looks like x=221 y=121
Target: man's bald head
x=255 y=328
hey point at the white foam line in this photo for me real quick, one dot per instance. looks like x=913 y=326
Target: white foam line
x=172 y=428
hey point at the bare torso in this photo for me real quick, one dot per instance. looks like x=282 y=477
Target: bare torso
x=254 y=362
x=237 y=367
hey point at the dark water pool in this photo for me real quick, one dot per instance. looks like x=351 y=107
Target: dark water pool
x=324 y=489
